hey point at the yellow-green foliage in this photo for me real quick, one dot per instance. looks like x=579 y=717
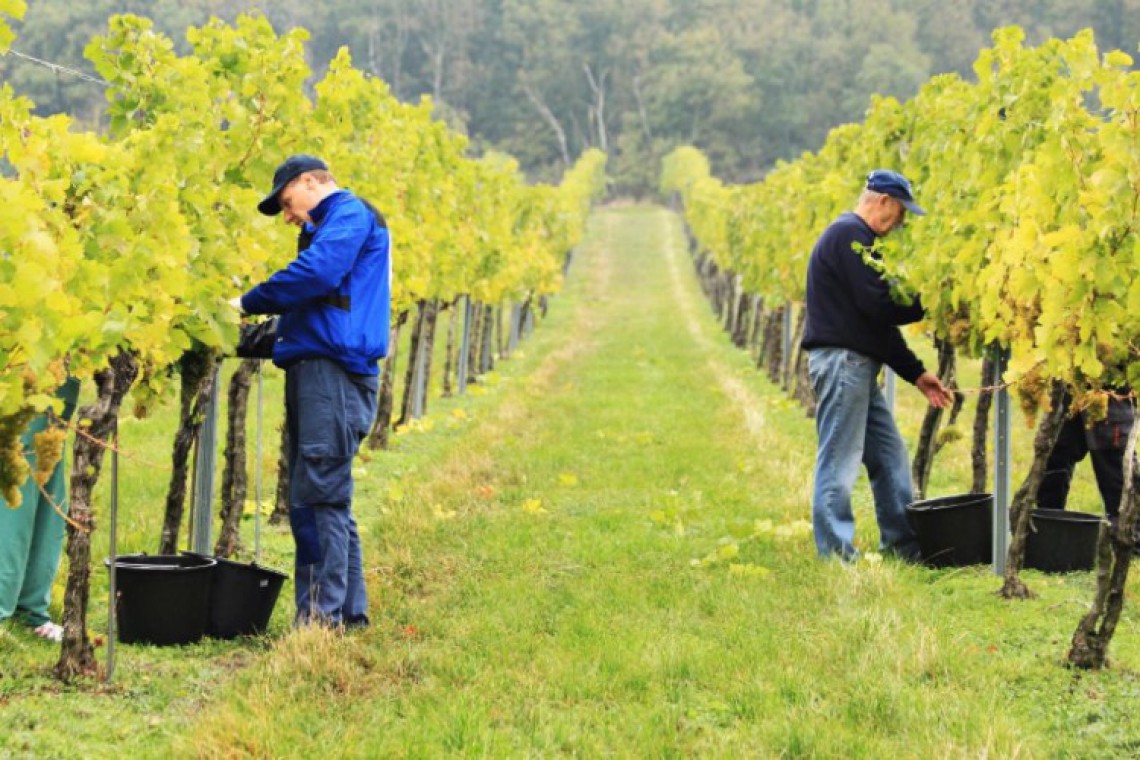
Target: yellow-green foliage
x=1030 y=176
x=9 y=9
x=136 y=240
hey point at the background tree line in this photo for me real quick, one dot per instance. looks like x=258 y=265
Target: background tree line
x=747 y=81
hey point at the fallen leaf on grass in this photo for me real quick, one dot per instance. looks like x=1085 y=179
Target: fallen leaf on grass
x=533 y=507
x=728 y=551
x=422 y=425
x=747 y=569
x=441 y=513
x=669 y=519
x=723 y=553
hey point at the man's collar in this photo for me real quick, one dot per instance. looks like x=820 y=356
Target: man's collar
x=321 y=209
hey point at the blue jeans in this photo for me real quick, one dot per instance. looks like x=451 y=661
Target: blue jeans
x=855 y=427
x=328 y=413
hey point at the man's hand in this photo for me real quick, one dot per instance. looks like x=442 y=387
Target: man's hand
x=236 y=303
x=936 y=393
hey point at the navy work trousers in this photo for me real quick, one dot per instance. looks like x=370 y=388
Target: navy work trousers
x=328 y=413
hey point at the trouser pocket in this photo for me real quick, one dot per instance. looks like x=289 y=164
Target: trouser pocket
x=330 y=412
x=323 y=476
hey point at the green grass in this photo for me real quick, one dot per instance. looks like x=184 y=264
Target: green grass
x=574 y=560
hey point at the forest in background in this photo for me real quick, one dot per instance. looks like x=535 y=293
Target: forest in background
x=749 y=82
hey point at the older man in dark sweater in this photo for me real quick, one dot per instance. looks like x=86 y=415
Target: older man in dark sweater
x=851 y=332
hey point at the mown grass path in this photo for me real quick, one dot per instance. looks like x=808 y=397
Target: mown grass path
x=540 y=597
x=603 y=553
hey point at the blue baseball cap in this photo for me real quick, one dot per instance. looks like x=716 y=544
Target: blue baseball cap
x=895 y=185
x=293 y=167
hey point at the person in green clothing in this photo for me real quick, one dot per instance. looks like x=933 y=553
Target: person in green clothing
x=31 y=536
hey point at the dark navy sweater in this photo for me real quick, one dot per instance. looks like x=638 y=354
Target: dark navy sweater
x=849 y=305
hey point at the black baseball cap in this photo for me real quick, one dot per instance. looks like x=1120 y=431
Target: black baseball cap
x=895 y=185
x=293 y=167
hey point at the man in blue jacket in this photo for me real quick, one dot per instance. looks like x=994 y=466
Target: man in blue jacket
x=334 y=301
x=850 y=333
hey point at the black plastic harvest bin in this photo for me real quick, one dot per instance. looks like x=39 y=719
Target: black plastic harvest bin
x=1061 y=541
x=954 y=531
x=242 y=597
x=162 y=599
x=177 y=599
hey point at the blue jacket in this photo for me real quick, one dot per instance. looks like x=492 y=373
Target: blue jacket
x=849 y=304
x=335 y=297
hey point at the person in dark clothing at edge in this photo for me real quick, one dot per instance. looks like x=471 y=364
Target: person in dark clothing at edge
x=1103 y=442
x=334 y=300
x=851 y=331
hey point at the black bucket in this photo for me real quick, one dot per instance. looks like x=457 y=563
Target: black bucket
x=242 y=597
x=954 y=531
x=162 y=599
x=1060 y=541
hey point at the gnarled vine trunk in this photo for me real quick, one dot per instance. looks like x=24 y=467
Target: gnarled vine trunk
x=475 y=342
x=526 y=316
x=773 y=352
x=1089 y=648
x=234 y=482
x=418 y=329
x=732 y=296
x=500 y=333
x=429 y=349
x=982 y=424
x=197 y=370
x=742 y=321
x=927 y=446
x=378 y=437
x=755 y=330
x=1026 y=496
x=792 y=363
x=449 y=353
x=487 y=342
x=280 y=514
x=98 y=421
x=804 y=392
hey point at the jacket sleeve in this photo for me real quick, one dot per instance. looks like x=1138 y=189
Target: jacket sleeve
x=319 y=269
x=901 y=359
